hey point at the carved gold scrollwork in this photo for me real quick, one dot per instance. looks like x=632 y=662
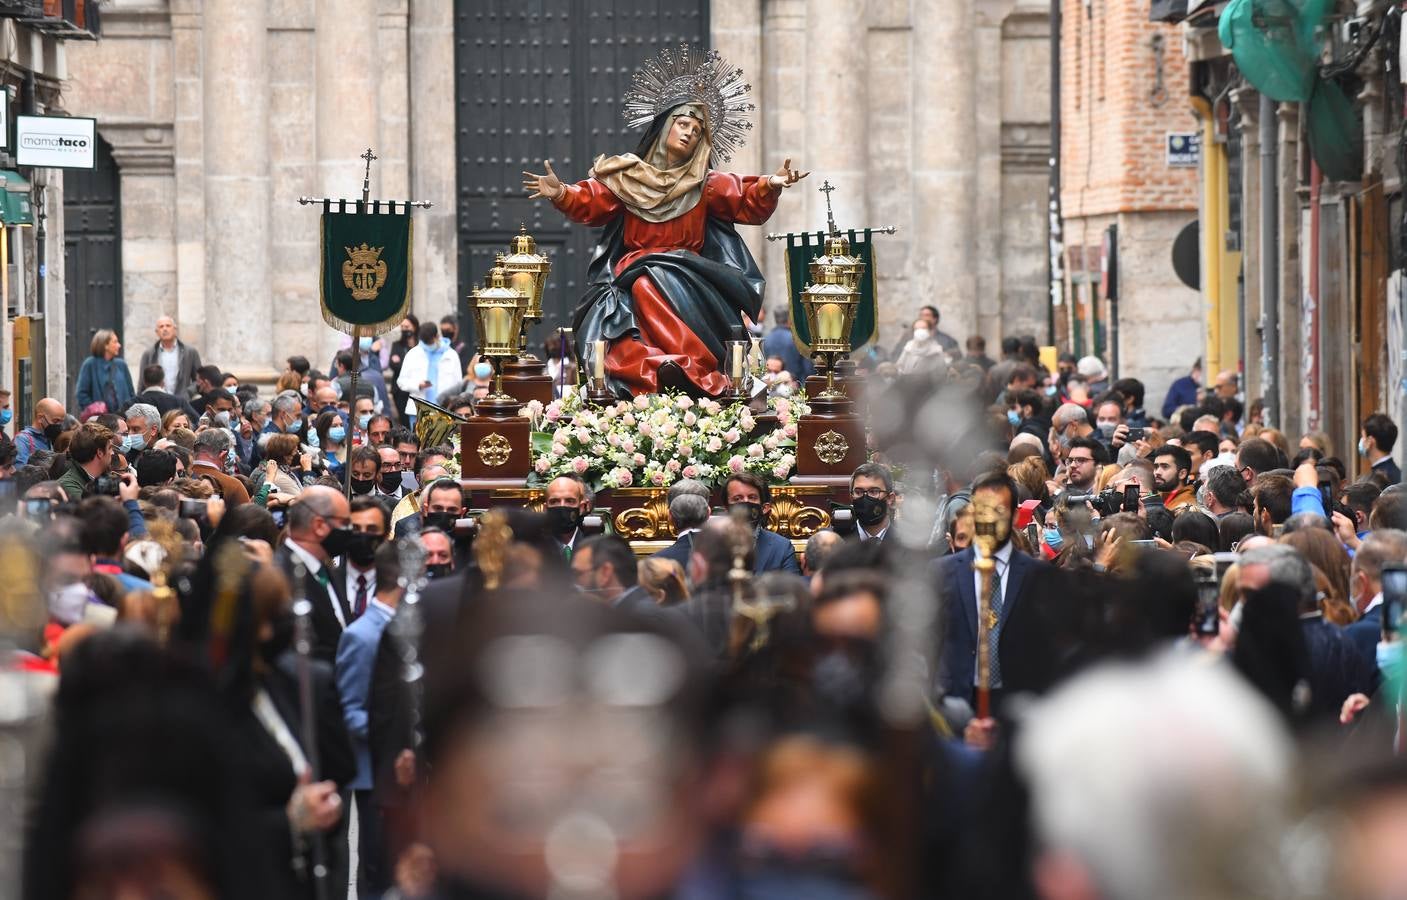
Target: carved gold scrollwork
x=791 y=517
x=648 y=521
x=494 y=450
x=831 y=447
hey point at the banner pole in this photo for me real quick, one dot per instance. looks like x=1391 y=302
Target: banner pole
x=352 y=410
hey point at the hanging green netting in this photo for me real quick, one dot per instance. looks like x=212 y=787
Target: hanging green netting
x=1273 y=44
x=1335 y=133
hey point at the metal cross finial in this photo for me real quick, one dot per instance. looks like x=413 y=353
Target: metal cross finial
x=826 y=188
x=366 y=178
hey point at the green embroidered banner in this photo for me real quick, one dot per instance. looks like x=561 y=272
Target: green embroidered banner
x=801 y=249
x=366 y=269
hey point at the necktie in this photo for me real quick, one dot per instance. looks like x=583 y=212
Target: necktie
x=994 y=607
x=567 y=552
x=360 y=606
x=323 y=578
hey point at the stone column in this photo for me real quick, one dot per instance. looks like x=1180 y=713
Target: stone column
x=944 y=153
x=836 y=143
x=432 y=155
x=988 y=18
x=239 y=302
x=392 y=46
x=781 y=123
x=889 y=117
x=348 y=107
x=736 y=29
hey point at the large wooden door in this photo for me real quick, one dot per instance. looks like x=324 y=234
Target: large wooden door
x=542 y=79
x=92 y=257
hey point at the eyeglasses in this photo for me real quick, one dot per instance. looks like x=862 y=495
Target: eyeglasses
x=872 y=493
x=1079 y=459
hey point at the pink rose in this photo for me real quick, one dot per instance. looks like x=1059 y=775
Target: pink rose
x=658 y=478
x=642 y=401
x=628 y=420
x=714 y=445
x=683 y=401
x=755 y=451
x=554 y=412
x=746 y=422
x=690 y=420
x=613 y=440
x=735 y=464
x=691 y=471
x=789 y=431
x=627 y=445
x=732 y=436
x=672 y=466
x=780 y=471
x=686 y=450
x=638 y=459
x=542 y=465
x=623 y=478
x=646 y=430
x=580 y=465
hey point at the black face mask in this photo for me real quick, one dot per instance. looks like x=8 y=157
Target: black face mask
x=363 y=485
x=337 y=541
x=447 y=335
x=362 y=547
x=438 y=570
x=752 y=512
x=871 y=511
x=441 y=520
x=390 y=482
x=407 y=336
x=52 y=432
x=563 y=519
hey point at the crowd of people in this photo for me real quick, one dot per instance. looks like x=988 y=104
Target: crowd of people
x=254 y=686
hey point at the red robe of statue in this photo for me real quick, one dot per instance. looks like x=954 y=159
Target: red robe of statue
x=663 y=336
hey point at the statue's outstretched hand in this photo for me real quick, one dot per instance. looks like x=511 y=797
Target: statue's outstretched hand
x=549 y=185
x=786 y=176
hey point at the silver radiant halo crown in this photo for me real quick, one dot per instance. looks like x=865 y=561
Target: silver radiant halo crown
x=688 y=74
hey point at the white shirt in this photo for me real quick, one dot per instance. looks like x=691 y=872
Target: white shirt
x=1376 y=601
x=1003 y=561
x=314 y=566
x=169 y=360
x=352 y=575
x=866 y=536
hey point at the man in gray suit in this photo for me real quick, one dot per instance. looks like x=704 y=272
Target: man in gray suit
x=177 y=359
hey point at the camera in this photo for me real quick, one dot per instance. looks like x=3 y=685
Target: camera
x=107 y=485
x=1108 y=502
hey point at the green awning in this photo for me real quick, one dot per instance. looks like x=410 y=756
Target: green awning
x=15 y=206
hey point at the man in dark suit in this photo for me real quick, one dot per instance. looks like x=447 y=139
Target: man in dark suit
x=873 y=498
x=1020 y=662
x=1379 y=548
x=750 y=493
x=688 y=510
x=604 y=567
x=154 y=392
x=319 y=529
x=1376 y=439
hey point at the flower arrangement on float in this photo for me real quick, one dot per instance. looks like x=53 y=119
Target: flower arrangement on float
x=654 y=440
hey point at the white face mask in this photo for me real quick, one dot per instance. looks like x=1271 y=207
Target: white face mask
x=922 y=334
x=67 y=603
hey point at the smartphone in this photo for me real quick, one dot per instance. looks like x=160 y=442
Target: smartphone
x=1208 y=611
x=1394 y=581
x=39 y=509
x=1131 y=498
x=1326 y=496
x=1137 y=434
x=192 y=509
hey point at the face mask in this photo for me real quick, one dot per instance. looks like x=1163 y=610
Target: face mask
x=482 y=370
x=1362 y=446
x=52 y=432
x=313 y=440
x=363 y=421
x=5 y=416
x=222 y=418
x=1013 y=417
x=441 y=520
x=563 y=519
x=447 y=334
x=871 y=511
x=1107 y=429
x=337 y=541
x=1389 y=658
x=922 y=334
x=67 y=603
x=231 y=460
x=364 y=345
x=407 y=335
x=1053 y=538
x=752 y=512
x=438 y=570
x=1050 y=391
x=134 y=442
x=391 y=482
x=361 y=549
x=337 y=435
x=363 y=485
x=295 y=426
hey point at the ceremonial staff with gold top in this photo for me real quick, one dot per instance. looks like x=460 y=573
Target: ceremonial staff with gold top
x=986 y=540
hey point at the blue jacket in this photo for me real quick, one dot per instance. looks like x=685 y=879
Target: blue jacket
x=356 y=654
x=1020 y=665
x=94 y=377
x=1366 y=633
x=774 y=554
x=779 y=342
x=1182 y=393
x=27 y=441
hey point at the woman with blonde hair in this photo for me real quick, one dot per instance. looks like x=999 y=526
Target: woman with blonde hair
x=1030 y=475
x=288 y=381
x=174 y=419
x=103 y=377
x=1317 y=440
x=663 y=579
x=1277 y=438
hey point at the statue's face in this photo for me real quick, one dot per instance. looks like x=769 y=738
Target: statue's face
x=684 y=134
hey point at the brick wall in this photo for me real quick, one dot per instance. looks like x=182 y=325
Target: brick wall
x=1113 y=128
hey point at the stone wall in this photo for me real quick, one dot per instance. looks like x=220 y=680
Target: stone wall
x=930 y=115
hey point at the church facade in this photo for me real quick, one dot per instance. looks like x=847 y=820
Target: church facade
x=929 y=115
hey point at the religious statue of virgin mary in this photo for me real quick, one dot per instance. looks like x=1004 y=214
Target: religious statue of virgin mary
x=671 y=279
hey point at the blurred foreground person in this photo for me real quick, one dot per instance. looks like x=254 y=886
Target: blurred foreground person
x=1163 y=781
